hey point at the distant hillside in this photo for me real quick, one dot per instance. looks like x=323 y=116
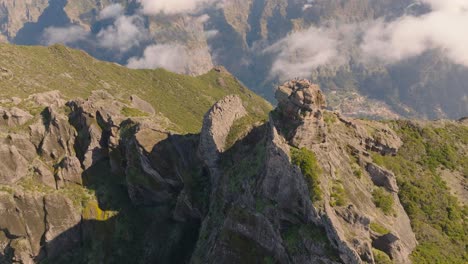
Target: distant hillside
x=184 y=100
x=238 y=35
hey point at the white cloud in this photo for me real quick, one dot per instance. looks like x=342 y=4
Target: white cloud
x=443 y=28
x=126 y=33
x=112 y=11
x=63 y=35
x=209 y=34
x=172 y=57
x=154 y=7
x=301 y=52
x=387 y=42
x=309 y=4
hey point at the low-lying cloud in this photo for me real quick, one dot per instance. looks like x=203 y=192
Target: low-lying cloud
x=112 y=11
x=444 y=28
x=154 y=7
x=64 y=35
x=172 y=57
x=125 y=33
x=302 y=51
x=387 y=42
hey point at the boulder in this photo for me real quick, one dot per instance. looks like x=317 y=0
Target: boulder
x=11 y=221
x=47 y=99
x=392 y=246
x=13 y=117
x=45 y=174
x=142 y=105
x=69 y=171
x=14 y=165
x=382 y=177
x=53 y=136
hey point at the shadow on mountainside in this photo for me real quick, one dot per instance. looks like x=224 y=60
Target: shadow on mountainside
x=134 y=232
x=141 y=231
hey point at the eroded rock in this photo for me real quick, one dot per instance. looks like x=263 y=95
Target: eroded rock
x=14 y=117
x=61 y=222
x=142 y=105
x=69 y=171
x=300 y=105
x=382 y=177
x=216 y=126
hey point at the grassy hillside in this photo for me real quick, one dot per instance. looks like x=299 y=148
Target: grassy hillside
x=182 y=99
x=437 y=217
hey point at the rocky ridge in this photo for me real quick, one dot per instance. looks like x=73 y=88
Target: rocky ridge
x=103 y=175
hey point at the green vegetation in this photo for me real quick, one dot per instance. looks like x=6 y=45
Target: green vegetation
x=79 y=195
x=338 y=194
x=329 y=117
x=133 y=112
x=436 y=217
x=307 y=161
x=239 y=128
x=295 y=238
x=357 y=171
x=380 y=257
x=383 y=200
x=182 y=99
x=376 y=227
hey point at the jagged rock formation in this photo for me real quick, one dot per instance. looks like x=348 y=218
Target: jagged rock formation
x=301 y=104
x=348 y=224
x=216 y=126
x=85 y=181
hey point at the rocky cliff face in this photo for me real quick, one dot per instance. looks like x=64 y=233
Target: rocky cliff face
x=104 y=180
x=349 y=221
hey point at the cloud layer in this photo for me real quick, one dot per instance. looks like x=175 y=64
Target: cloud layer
x=302 y=51
x=171 y=57
x=125 y=33
x=64 y=35
x=154 y=7
x=443 y=28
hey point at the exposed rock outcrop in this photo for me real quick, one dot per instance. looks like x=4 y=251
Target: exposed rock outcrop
x=48 y=99
x=14 y=165
x=44 y=173
x=142 y=105
x=301 y=121
x=264 y=211
x=69 y=171
x=216 y=126
x=61 y=221
x=382 y=177
x=301 y=104
x=14 y=117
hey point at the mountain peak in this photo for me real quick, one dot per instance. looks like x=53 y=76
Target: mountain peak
x=300 y=99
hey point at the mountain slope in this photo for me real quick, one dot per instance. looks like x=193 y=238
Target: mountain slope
x=182 y=99
x=240 y=35
x=90 y=175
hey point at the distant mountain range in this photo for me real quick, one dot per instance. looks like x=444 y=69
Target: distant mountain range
x=351 y=48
